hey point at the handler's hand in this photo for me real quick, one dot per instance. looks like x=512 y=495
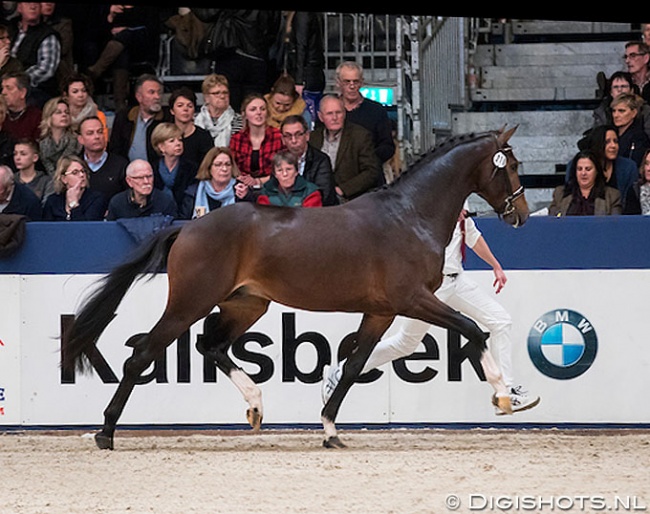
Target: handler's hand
x=500 y=280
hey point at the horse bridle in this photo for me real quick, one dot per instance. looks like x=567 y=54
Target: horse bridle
x=500 y=161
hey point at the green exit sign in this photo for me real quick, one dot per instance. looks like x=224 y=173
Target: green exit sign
x=383 y=95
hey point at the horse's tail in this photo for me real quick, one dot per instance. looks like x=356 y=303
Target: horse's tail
x=100 y=306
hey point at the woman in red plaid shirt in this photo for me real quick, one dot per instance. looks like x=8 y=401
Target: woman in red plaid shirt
x=256 y=144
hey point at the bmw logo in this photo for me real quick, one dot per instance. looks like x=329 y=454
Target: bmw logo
x=562 y=344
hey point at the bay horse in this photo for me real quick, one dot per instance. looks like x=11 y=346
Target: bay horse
x=380 y=254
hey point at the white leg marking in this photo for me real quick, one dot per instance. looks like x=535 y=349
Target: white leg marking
x=330 y=428
x=252 y=394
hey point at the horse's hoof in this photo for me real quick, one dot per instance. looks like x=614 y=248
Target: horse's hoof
x=334 y=442
x=103 y=442
x=254 y=419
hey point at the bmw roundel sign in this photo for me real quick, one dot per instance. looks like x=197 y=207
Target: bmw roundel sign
x=562 y=344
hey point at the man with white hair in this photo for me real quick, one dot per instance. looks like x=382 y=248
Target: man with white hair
x=141 y=198
x=16 y=198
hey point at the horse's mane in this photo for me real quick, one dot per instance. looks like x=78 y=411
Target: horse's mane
x=438 y=150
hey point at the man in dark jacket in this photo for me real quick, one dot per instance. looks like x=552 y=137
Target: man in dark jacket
x=132 y=128
x=313 y=164
x=108 y=169
x=239 y=41
x=17 y=198
x=141 y=198
x=350 y=149
x=37 y=46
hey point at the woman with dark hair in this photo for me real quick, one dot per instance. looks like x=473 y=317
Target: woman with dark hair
x=638 y=198
x=585 y=193
x=196 y=140
x=620 y=172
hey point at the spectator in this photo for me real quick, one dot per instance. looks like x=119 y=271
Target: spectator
x=363 y=111
x=256 y=144
x=287 y=188
x=23 y=119
x=638 y=197
x=350 y=149
x=141 y=198
x=26 y=157
x=284 y=100
x=632 y=139
x=313 y=165
x=73 y=199
x=6 y=143
x=636 y=60
x=196 y=140
x=8 y=63
x=620 y=172
x=645 y=33
x=239 y=40
x=62 y=25
x=173 y=173
x=17 y=198
x=107 y=169
x=585 y=194
x=619 y=83
x=37 y=46
x=57 y=137
x=131 y=131
x=134 y=34
x=217 y=115
x=217 y=185
x=305 y=56
x=77 y=89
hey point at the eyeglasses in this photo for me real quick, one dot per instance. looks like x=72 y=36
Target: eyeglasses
x=624 y=86
x=219 y=93
x=74 y=172
x=291 y=137
x=633 y=55
x=222 y=164
x=350 y=82
x=142 y=177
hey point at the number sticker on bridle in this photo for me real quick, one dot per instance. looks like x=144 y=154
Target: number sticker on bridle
x=499 y=159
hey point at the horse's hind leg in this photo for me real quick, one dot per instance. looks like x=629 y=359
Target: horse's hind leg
x=145 y=351
x=235 y=316
x=368 y=335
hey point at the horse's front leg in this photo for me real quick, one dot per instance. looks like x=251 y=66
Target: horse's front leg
x=432 y=310
x=369 y=333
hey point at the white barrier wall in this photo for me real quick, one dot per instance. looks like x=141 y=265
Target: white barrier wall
x=580 y=341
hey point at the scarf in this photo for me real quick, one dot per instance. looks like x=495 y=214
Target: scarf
x=644 y=198
x=205 y=190
x=221 y=129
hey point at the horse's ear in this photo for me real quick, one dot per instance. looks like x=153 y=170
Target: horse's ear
x=504 y=136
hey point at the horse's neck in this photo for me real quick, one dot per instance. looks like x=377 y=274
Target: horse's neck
x=438 y=192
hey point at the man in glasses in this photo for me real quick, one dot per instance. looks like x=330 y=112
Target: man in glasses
x=141 y=198
x=636 y=58
x=365 y=112
x=313 y=165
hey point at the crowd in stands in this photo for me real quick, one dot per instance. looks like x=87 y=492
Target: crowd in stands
x=265 y=131
x=609 y=173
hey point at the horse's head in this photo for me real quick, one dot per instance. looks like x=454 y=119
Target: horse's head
x=500 y=185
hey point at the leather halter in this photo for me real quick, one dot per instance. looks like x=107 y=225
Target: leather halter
x=500 y=161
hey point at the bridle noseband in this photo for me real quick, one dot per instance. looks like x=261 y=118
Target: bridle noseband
x=500 y=161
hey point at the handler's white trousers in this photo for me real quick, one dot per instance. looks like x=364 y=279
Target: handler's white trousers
x=464 y=295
